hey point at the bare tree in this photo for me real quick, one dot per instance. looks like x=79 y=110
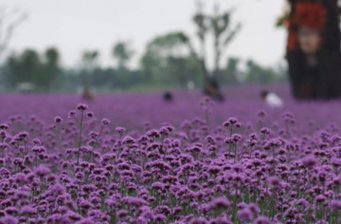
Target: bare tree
x=9 y=22
x=217 y=27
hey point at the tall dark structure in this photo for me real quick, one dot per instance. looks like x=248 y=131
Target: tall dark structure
x=313 y=49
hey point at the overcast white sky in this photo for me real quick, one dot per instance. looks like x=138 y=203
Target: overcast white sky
x=75 y=25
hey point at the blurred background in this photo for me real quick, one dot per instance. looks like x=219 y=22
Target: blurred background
x=113 y=46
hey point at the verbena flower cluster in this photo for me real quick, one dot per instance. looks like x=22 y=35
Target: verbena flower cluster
x=275 y=167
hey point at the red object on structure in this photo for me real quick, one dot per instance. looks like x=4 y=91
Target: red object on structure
x=310 y=14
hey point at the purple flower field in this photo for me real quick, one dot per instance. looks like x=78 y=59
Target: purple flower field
x=133 y=158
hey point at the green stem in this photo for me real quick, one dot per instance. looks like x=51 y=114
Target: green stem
x=80 y=136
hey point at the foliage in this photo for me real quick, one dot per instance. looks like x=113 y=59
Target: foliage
x=256 y=73
x=122 y=53
x=168 y=60
x=89 y=63
x=31 y=67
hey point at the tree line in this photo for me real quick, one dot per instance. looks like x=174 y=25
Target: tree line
x=171 y=60
x=161 y=66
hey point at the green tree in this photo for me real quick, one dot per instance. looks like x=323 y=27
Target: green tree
x=167 y=60
x=24 y=68
x=229 y=74
x=122 y=53
x=31 y=67
x=89 y=63
x=51 y=67
x=258 y=74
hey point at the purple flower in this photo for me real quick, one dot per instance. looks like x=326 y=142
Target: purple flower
x=262 y=220
x=8 y=220
x=220 y=220
x=245 y=215
x=122 y=214
x=219 y=203
x=42 y=171
x=134 y=201
x=274 y=181
x=309 y=161
x=28 y=210
x=105 y=121
x=335 y=205
x=82 y=107
x=58 y=119
x=199 y=220
x=85 y=221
